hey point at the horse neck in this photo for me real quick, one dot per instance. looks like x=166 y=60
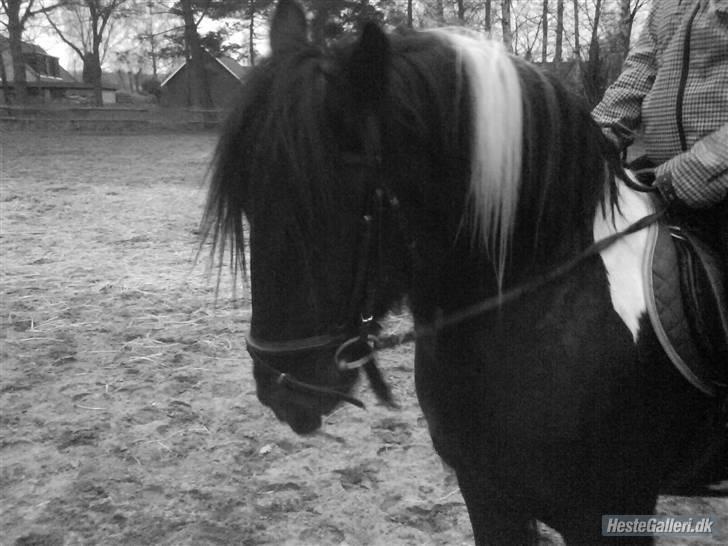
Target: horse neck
x=565 y=174
x=564 y=178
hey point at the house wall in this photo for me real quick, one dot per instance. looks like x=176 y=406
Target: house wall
x=224 y=87
x=109 y=96
x=174 y=94
x=35 y=95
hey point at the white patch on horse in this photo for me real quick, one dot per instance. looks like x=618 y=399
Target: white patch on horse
x=624 y=259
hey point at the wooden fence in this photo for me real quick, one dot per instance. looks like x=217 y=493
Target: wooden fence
x=108 y=119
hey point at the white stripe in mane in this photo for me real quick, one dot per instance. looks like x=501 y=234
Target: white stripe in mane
x=496 y=151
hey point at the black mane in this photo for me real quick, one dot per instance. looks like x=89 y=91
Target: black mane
x=298 y=113
x=293 y=119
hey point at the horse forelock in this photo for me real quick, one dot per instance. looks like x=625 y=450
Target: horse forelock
x=273 y=153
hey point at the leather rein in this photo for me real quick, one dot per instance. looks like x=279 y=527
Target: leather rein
x=356 y=346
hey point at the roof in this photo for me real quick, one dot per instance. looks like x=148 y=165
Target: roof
x=234 y=67
x=33 y=77
x=230 y=65
x=26 y=47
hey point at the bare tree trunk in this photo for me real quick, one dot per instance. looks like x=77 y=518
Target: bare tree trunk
x=506 y=24
x=92 y=59
x=488 y=16
x=251 y=32
x=409 y=13
x=627 y=13
x=15 y=36
x=4 y=83
x=558 y=56
x=592 y=79
x=594 y=42
x=92 y=75
x=199 y=91
x=461 y=11
x=153 y=53
x=545 y=33
x=577 y=45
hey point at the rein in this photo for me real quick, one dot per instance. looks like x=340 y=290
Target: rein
x=489 y=304
x=359 y=350
x=370 y=343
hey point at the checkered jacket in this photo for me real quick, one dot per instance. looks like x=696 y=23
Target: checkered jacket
x=675 y=85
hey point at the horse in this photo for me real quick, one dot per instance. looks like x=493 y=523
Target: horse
x=433 y=168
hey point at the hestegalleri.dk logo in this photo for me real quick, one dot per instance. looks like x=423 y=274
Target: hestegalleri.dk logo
x=638 y=526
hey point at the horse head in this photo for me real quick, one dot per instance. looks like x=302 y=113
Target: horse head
x=300 y=161
x=368 y=168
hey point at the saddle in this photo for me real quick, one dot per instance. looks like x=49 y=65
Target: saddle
x=687 y=303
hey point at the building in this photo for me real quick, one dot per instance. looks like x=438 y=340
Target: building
x=46 y=80
x=224 y=77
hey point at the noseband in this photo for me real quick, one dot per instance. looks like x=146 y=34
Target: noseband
x=354 y=346
x=260 y=349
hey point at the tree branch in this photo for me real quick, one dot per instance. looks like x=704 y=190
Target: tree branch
x=62 y=36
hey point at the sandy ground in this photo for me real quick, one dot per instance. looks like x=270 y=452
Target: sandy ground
x=127 y=408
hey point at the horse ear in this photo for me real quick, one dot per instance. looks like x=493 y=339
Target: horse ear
x=367 y=67
x=288 y=27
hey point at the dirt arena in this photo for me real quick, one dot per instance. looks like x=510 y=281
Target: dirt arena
x=127 y=407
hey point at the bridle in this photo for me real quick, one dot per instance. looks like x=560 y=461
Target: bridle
x=354 y=339
x=355 y=346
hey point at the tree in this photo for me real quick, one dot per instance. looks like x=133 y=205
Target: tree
x=592 y=78
x=198 y=84
x=440 y=11
x=545 y=31
x=461 y=11
x=148 y=29
x=506 y=24
x=627 y=12
x=252 y=11
x=577 y=46
x=332 y=18
x=559 y=31
x=86 y=32
x=19 y=12
x=251 y=31
x=525 y=27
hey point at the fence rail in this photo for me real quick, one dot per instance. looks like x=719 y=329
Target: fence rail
x=114 y=119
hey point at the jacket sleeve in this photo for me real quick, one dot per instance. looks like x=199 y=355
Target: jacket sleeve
x=698 y=177
x=621 y=107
